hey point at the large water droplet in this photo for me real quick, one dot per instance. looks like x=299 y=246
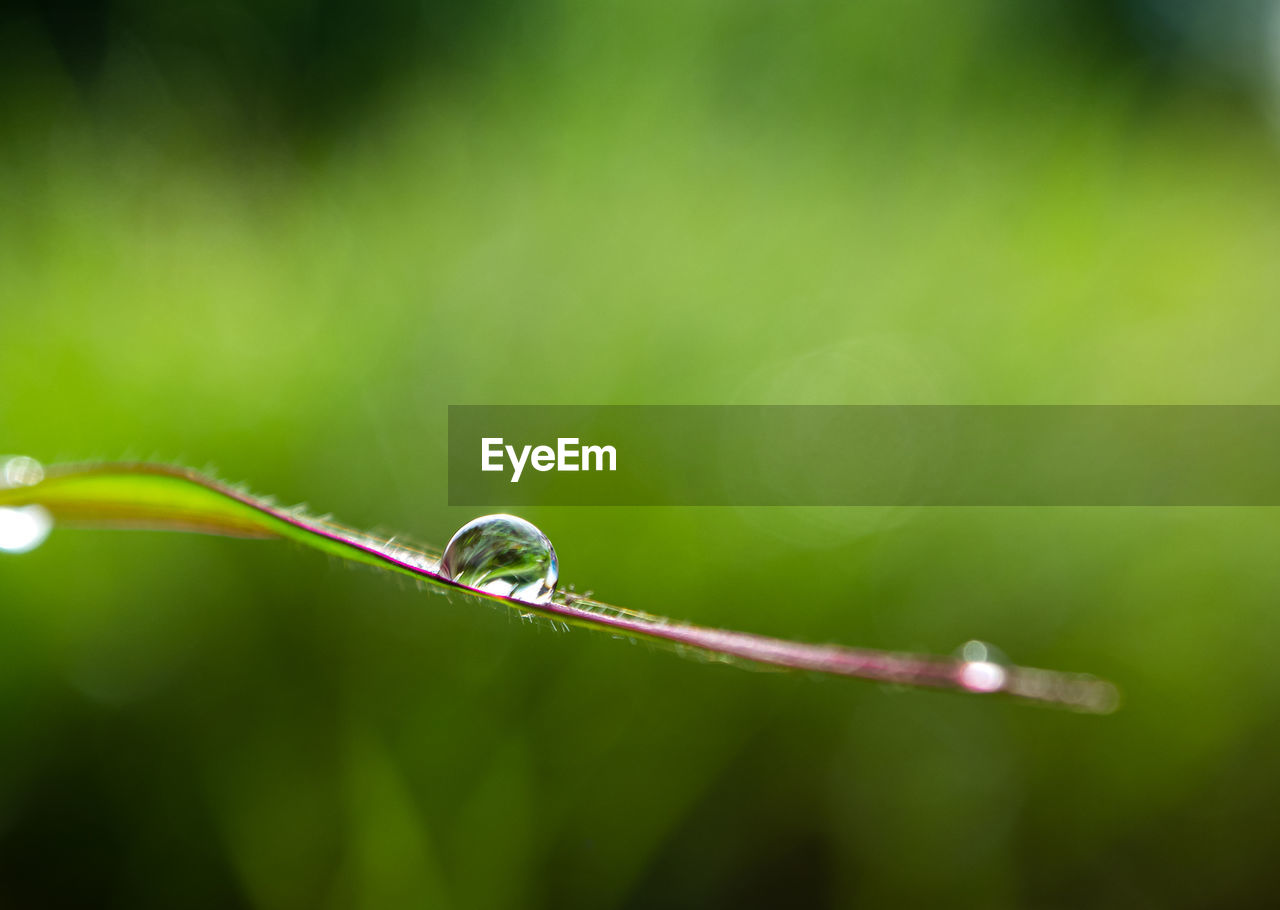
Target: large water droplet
x=22 y=528
x=983 y=667
x=503 y=555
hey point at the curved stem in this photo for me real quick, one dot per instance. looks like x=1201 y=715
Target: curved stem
x=174 y=498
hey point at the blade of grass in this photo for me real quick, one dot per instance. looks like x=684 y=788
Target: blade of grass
x=172 y=498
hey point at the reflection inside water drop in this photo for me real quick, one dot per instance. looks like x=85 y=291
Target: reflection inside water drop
x=982 y=676
x=22 y=528
x=983 y=669
x=503 y=555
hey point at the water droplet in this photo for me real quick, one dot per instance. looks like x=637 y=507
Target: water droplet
x=978 y=651
x=503 y=555
x=20 y=471
x=22 y=528
x=983 y=667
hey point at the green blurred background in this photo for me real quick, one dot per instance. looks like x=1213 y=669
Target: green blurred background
x=278 y=238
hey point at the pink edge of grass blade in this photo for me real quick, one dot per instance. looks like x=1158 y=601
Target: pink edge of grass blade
x=163 y=497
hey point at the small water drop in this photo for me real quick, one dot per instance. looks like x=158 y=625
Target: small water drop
x=978 y=651
x=503 y=555
x=22 y=528
x=983 y=667
x=20 y=471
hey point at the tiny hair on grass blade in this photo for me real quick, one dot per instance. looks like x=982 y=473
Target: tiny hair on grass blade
x=164 y=497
